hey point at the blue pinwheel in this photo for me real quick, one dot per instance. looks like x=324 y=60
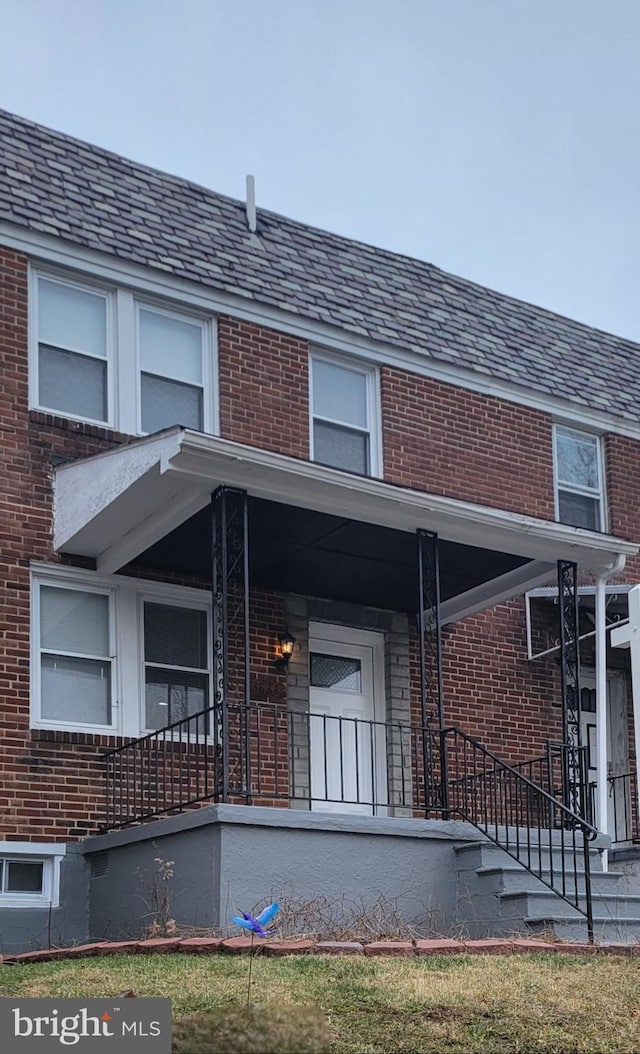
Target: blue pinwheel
x=256 y=926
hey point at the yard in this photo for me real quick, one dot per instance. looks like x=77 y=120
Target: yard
x=466 y=1003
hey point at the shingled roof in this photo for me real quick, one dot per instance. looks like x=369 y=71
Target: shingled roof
x=90 y=197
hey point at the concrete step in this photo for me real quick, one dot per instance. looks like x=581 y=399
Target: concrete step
x=481 y=854
x=512 y=878
x=605 y=930
x=544 y=903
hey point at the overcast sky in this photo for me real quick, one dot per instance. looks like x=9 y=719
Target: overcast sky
x=499 y=139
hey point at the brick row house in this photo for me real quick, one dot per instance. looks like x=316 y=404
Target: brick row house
x=311 y=554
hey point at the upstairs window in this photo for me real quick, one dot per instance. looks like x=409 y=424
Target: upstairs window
x=344 y=418
x=107 y=356
x=171 y=371
x=578 y=475
x=72 y=361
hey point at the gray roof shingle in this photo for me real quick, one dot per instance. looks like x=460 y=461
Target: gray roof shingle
x=93 y=198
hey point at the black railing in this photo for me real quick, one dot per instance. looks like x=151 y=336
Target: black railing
x=277 y=756
x=166 y=771
x=622 y=804
x=282 y=757
x=523 y=819
x=550 y=769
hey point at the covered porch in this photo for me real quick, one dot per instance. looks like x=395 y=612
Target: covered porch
x=351 y=717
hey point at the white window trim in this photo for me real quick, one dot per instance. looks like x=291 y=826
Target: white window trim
x=50 y=855
x=75 y=282
x=371 y=373
x=123 y=366
x=598 y=494
x=37 y=720
x=199 y=605
x=206 y=327
x=127 y=707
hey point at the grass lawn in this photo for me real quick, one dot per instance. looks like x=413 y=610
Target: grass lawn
x=467 y=1003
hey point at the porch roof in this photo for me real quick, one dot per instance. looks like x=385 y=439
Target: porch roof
x=119 y=506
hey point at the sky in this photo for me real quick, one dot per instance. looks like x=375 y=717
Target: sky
x=497 y=139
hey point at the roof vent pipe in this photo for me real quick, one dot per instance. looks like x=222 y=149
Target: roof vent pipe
x=251 y=204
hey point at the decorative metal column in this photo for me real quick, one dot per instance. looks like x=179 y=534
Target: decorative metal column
x=574 y=772
x=231 y=680
x=431 y=697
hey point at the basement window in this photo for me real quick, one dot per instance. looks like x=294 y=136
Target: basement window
x=30 y=874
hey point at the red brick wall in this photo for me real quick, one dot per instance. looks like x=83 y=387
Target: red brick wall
x=491 y=689
x=264 y=388
x=436 y=438
x=622 y=477
x=444 y=440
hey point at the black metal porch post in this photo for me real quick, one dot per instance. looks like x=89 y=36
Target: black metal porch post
x=431 y=695
x=573 y=770
x=231 y=679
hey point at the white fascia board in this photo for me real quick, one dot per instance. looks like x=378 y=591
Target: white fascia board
x=53 y=251
x=493 y=592
x=114 y=502
x=297 y=482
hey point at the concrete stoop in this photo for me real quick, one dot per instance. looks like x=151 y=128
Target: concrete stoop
x=496 y=895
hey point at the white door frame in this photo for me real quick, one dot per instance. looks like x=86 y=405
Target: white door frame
x=323 y=633
x=617 y=761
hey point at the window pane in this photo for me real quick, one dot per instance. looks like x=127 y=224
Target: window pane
x=175 y=636
x=166 y=403
x=336 y=671
x=339 y=393
x=171 y=695
x=24 y=876
x=74 y=620
x=72 y=318
x=333 y=445
x=170 y=347
x=579 y=510
x=73 y=384
x=76 y=690
x=578 y=460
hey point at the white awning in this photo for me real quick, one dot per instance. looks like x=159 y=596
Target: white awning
x=114 y=506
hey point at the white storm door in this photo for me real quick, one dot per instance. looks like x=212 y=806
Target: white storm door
x=347 y=747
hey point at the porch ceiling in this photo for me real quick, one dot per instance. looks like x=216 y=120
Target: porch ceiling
x=297 y=550
x=311 y=526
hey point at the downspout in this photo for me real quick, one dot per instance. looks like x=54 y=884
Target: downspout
x=602 y=821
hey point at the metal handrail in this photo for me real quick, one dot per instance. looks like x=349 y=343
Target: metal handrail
x=522 y=818
x=276 y=756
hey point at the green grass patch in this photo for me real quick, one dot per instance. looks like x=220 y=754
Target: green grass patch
x=354 y=1005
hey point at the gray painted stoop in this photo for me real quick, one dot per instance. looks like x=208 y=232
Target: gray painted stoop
x=496 y=895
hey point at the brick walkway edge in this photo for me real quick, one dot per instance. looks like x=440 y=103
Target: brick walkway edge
x=242 y=945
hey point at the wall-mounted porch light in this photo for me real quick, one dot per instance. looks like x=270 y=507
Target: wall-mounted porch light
x=287 y=641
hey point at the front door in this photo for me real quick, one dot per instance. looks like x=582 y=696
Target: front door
x=346 y=702
x=618 y=746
